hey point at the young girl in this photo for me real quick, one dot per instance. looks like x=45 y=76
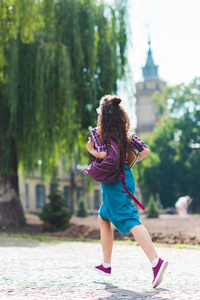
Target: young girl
x=117 y=208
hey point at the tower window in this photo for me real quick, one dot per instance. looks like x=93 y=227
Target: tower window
x=145 y=87
x=157 y=87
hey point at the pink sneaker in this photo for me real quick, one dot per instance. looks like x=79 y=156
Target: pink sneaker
x=158 y=272
x=102 y=270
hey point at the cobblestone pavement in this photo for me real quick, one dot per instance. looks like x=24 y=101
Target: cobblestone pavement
x=35 y=270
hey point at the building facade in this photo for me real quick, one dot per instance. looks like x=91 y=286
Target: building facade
x=147 y=114
x=34 y=193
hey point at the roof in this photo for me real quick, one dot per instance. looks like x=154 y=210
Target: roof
x=150 y=70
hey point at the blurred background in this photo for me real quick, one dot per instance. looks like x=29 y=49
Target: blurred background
x=57 y=59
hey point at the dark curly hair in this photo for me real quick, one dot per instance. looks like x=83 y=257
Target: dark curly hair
x=114 y=123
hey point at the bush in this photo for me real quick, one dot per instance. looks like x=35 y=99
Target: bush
x=55 y=214
x=152 y=210
x=158 y=202
x=82 y=212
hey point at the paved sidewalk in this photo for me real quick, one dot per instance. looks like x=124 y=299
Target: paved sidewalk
x=33 y=270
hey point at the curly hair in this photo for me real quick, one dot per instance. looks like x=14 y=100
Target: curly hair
x=114 y=123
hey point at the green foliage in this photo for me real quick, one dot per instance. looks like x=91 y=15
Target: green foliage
x=82 y=212
x=158 y=203
x=152 y=210
x=172 y=168
x=57 y=58
x=55 y=213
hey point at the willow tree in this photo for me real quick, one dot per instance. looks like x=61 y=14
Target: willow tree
x=57 y=58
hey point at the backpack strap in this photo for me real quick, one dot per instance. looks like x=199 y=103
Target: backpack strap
x=125 y=188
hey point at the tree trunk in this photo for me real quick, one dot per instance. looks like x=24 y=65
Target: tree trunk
x=11 y=211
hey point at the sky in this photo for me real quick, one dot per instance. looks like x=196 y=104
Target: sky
x=174 y=30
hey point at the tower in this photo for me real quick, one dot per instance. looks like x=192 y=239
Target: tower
x=147 y=115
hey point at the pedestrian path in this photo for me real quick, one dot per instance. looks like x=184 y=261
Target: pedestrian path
x=64 y=270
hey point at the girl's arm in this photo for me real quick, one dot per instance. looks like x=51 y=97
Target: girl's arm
x=143 y=154
x=93 y=151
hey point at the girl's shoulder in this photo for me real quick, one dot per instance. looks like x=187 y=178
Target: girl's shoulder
x=136 y=142
x=95 y=129
x=131 y=133
x=132 y=136
x=94 y=134
x=96 y=139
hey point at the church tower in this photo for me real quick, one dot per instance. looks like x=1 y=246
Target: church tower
x=147 y=115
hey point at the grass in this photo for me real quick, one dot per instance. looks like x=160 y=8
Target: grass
x=43 y=238
x=48 y=239
x=185 y=246
x=178 y=246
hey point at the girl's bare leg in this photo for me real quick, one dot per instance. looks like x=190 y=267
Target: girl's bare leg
x=106 y=233
x=144 y=240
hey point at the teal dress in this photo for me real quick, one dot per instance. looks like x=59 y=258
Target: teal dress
x=117 y=206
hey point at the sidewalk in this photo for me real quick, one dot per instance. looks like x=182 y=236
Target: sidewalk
x=34 y=270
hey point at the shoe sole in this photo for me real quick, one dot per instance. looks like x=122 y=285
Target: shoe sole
x=160 y=274
x=102 y=272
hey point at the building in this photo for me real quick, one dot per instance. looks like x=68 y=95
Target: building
x=147 y=115
x=34 y=193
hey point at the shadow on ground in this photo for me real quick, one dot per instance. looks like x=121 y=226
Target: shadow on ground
x=119 y=293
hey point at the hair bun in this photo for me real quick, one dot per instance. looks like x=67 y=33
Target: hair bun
x=108 y=100
x=116 y=100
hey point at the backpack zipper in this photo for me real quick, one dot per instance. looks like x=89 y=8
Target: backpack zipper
x=101 y=169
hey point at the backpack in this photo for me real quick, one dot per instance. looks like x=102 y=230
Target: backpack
x=110 y=169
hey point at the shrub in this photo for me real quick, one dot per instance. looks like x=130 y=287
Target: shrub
x=82 y=212
x=55 y=214
x=158 y=202
x=152 y=210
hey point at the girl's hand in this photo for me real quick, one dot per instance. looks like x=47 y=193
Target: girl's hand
x=93 y=151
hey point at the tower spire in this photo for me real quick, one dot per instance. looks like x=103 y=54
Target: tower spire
x=150 y=70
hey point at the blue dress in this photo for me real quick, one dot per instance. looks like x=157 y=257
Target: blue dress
x=117 y=206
